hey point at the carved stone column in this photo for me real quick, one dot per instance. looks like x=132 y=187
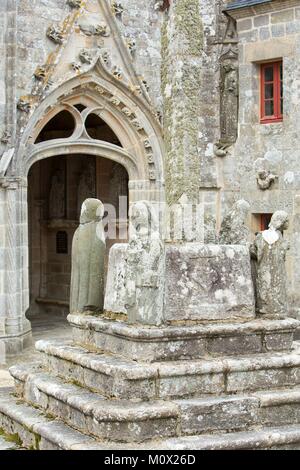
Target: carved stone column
x=189 y=116
x=14 y=272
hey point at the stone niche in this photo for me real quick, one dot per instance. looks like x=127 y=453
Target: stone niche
x=201 y=283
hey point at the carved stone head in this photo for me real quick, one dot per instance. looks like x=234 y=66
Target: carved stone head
x=143 y=219
x=242 y=208
x=279 y=221
x=262 y=174
x=85 y=56
x=92 y=210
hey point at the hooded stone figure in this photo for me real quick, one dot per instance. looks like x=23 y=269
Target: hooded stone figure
x=233 y=229
x=88 y=250
x=145 y=264
x=269 y=250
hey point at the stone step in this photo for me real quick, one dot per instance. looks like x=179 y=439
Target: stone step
x=34 y=430
x=150 y=344
x=91 y=413
x=116 y=377
x=115 y=419
x=31 y=429
x=283 y=438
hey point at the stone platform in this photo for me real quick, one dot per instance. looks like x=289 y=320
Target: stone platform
x=220 y=386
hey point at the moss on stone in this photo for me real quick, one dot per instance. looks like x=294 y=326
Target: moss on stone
x=182 y=45
x=13 y=438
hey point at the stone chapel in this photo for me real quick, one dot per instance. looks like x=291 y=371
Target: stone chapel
x=175 y=103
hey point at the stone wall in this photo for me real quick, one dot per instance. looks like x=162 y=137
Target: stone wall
x=267 y=34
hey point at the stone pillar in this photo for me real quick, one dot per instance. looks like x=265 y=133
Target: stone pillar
x=191 y=107
x=14 y=291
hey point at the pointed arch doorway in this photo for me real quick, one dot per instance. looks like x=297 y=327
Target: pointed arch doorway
x=57 y=186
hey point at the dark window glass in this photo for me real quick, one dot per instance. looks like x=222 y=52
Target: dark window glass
x=269 y=74
x=269 y=91
x=269 y=108
x=62 y=243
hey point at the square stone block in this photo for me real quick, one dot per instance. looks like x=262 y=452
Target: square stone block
x=208 y=282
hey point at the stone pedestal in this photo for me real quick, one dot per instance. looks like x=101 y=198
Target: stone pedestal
x=122 y=386
x=208 y=283
x=201 y=283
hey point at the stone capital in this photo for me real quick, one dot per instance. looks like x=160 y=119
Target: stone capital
x=13 y=182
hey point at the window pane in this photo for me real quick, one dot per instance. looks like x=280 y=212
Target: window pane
x=269 y=108
x=281 y=72
x=269 y=91
x=269 y=74
x=281 y=106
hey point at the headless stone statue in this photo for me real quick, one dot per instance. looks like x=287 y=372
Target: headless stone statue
x=233 y=229
x=145 y=264
x=269 y=250
x=88 y=250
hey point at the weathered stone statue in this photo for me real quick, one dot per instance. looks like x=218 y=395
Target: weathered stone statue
x=57 y=195
x=269 y=250
x=229 y=102
x=145 y=264
x=210 y=234
x=88 y=250
x=233 y=229
x=265 y=179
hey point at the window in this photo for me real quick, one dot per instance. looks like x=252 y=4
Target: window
x=271 y=92
x=265 y=219
x=62 y=243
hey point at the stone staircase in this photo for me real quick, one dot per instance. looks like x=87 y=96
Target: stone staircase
x=116 y=386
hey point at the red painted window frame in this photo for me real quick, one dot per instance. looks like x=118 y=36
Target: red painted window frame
x=264 y=221
x=277 y=116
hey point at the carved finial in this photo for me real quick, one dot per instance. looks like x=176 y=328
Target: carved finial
x=145 y=83
x=85 y=56
x=102 y=29
x=127 y=111
x=24 y=104
x=131 y=44
x=55 y=33
x=117 y=8
x=147 y=144
x=117 y=72
x=76 y=66
x=136 y=123
x=6 y=136
x=152 y=174
x=74 y=3
x=105 y=57
x=40 y=73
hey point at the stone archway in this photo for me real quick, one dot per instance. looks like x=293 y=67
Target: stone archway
x=141 y=153
x=57 y=186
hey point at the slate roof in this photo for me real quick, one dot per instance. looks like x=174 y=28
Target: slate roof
x=245 y=3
